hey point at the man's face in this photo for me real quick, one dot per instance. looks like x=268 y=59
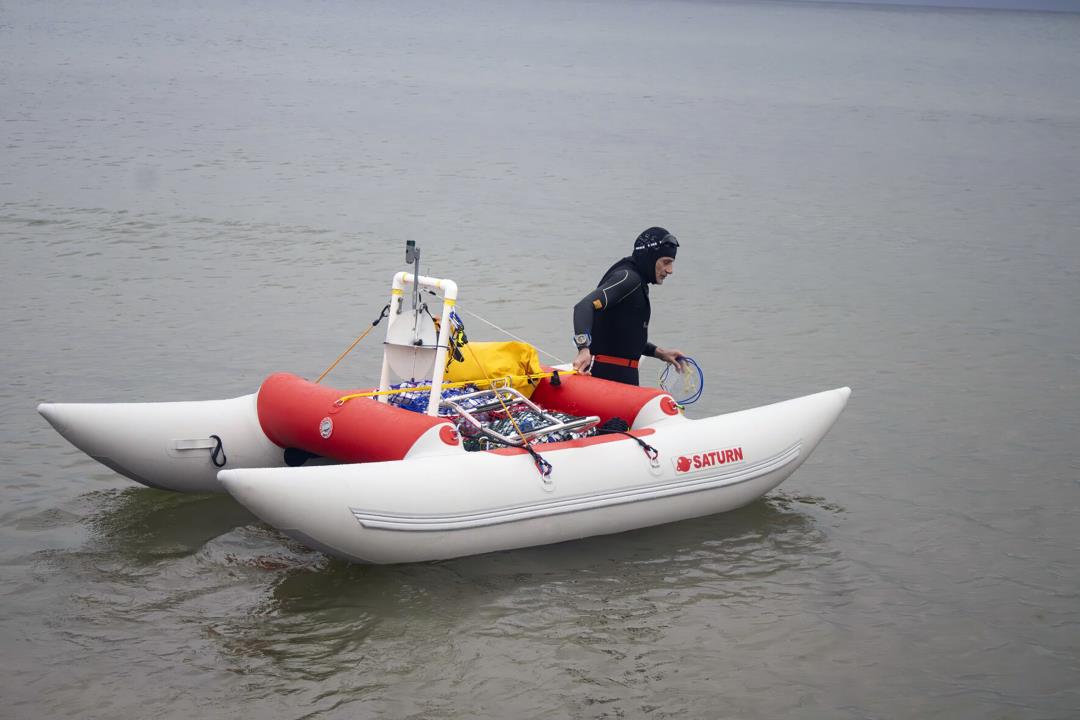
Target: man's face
x=664 y=266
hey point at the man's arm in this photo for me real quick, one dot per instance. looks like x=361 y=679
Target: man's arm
x=613 y=289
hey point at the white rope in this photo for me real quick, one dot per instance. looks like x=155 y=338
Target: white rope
x=545 y=352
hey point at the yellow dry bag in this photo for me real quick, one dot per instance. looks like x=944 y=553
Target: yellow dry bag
x=494 y=360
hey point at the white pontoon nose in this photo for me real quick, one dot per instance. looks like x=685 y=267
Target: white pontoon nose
x=169 y=445
x=51 y=412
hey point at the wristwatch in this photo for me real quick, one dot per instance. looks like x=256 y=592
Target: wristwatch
x=582 y=340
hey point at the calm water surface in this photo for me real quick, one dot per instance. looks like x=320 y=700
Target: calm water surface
x=888 y=198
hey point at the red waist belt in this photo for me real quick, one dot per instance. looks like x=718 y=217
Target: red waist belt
x=612 y=360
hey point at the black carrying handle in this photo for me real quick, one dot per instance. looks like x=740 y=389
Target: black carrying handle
x=217 y=453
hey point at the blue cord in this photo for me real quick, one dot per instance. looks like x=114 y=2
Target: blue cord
x=696 y=395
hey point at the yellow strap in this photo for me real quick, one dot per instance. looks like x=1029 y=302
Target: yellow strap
x=396 y=391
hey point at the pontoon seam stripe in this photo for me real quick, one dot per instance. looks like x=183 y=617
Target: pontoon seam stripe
x=498 y=516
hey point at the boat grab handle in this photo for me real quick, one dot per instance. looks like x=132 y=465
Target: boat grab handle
x=212 y=443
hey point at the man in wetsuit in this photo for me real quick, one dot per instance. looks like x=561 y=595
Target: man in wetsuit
x=611 y=324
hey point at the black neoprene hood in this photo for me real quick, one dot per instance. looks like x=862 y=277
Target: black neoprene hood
x=651 y=245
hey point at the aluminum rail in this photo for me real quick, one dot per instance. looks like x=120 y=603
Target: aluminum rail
x=513 y=397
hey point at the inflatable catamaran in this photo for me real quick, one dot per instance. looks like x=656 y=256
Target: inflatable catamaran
x=463 y=448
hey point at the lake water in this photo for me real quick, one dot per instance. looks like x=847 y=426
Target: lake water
x=193 y=197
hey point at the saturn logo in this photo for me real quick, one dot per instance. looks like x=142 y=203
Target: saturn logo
x=727 y=456
x=326 y=428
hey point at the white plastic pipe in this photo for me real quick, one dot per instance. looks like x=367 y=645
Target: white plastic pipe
x=449 y=290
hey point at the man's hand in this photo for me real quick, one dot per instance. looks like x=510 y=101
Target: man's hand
x=675 y=357
x=583 y=362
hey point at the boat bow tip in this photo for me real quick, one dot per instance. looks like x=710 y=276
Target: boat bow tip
x=51 y=412
x=228 y=478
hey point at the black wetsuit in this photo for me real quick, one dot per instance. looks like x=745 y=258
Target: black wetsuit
x=616 y=314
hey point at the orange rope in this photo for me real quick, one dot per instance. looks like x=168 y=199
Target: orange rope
x=342 y=355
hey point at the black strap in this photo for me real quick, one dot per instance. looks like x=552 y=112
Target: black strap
x=385 y=312
x=218 y=452
x=424 y=307
x=542 y=465
x=650 y=451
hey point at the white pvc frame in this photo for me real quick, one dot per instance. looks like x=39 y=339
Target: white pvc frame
x=397 y=296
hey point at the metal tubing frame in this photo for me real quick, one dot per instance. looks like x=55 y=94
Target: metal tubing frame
x=515 y=397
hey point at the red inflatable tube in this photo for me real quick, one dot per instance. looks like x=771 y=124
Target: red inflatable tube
x=300 y=414
x=583 y=395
